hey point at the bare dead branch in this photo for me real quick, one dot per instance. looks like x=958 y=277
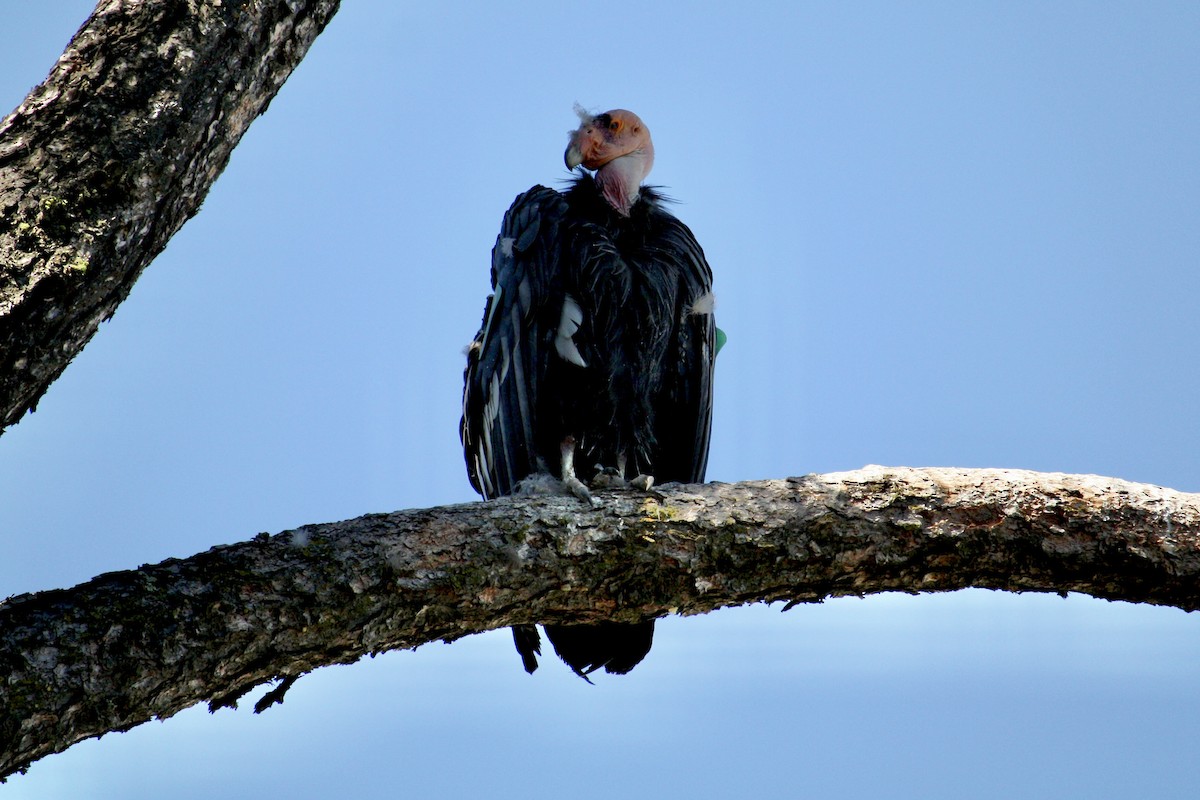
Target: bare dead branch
x=128 y=646
x=105 y=161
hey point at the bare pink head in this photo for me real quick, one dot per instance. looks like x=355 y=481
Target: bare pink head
x=616 y=144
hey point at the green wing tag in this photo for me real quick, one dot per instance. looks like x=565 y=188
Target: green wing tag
x=721 y=338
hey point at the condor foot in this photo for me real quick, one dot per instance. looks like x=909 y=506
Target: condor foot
x=610 y=478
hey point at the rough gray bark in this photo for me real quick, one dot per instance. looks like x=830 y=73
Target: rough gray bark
x=129 y=646
x=108 y=158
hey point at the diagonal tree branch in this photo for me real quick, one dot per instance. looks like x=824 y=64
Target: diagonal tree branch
x=128 y=646
x=105 y=161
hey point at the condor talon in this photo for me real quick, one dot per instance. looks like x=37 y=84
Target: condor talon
x=608 y=478
x=573 y=484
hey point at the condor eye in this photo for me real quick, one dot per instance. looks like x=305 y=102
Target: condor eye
x=615 y=126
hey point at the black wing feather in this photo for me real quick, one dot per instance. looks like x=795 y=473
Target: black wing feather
x=507 y=360
x=684 y=412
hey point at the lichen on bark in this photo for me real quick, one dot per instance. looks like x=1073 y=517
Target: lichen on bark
x=105 y=160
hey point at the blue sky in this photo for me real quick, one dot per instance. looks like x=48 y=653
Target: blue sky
x=943 y=234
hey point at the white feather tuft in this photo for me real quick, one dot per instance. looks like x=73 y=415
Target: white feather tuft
x=585 y=116
x=568 y=323
x=704 y=304
x=539 y=483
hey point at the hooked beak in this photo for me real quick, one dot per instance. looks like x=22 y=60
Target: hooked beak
x=586 y=147
x=573 y=157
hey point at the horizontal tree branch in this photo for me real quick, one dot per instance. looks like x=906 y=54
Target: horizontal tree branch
x=128 y=646
x=105 y=161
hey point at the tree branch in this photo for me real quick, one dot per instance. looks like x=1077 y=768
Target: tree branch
x=108 y=158
x=128 y=646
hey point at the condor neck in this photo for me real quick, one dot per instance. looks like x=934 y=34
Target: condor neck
x=620 y=179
